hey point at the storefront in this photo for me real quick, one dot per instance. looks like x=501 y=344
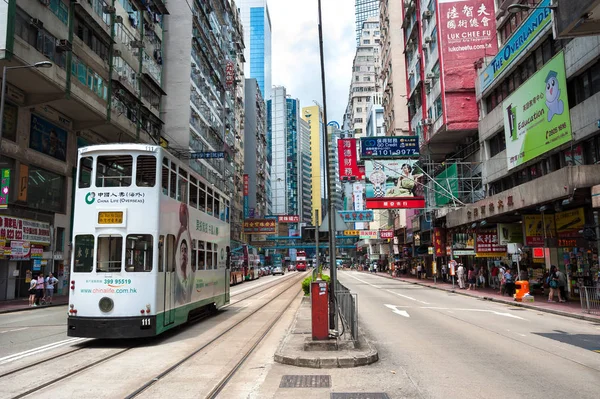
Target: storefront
x=24 y=252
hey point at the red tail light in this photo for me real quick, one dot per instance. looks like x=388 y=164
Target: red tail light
x=72 y=284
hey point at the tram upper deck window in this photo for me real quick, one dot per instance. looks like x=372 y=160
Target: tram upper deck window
x=138 y=255
x=85 y=172
x=145 y=173
x=84 y=253
x=114 y=170
x=165 y=177
x=109 y=255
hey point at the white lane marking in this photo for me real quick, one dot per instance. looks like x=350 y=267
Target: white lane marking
x=450 y=310
x=35 y=351
x=362 y=281
x=398 y=311
x=407 y=297
x=522 y=335
x=241 y=291
x=16 y=329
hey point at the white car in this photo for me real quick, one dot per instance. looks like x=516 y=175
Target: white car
x=278 y=270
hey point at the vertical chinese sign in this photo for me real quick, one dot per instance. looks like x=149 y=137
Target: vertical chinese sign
x=229 y=74
x=246 y=204
x=467 y=34
x=439 y=242
x=347 y=159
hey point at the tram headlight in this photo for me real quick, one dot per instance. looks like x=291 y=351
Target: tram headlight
x=106 y=304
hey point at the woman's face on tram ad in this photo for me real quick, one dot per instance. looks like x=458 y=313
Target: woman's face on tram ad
x=183 y=261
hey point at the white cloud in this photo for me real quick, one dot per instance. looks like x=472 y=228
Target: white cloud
x=295 y=51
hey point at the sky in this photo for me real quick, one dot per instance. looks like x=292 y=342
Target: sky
x=295 y=51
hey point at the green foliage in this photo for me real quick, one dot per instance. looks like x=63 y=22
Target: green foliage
x=306 y=283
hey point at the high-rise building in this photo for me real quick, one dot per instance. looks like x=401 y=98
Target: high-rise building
x=314 y=116
x=365 y=86
x=257 y=36
x=101 y=82
x=204 y=114
x=291 y=169
x=363 y=9
x=255 y=152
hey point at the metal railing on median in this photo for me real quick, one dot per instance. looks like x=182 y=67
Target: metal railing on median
x=347 y=304
x=590 y=300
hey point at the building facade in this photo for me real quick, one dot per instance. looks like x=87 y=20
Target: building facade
x=314 y=116
x=204 y=112
x=363 y=9
x=255 y=152
x=365 y=77
x=104 y=84
x=257 y=36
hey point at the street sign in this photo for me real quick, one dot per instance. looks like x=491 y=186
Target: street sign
x=205 y=155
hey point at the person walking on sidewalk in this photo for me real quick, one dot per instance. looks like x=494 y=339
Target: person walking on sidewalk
x=562 y=285
x=460 y=273
x=444 y=272
x=509 y=283
x=32 y=292
x=553 y=285
x=419 y=271
x=495 y=282
x=471 y=278
x=39 y=288
x=50 y=284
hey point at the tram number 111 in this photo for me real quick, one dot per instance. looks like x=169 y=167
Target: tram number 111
x=146 y=323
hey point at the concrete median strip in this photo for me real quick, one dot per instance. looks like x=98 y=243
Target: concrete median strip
x=292 y=348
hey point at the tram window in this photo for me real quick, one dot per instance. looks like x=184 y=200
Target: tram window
x=84 y=253
x=209 y=201
x=85 y=172
x=114 y=171
x=182 y=193
x=215 y=256
x=170 y=253
x=109 y=254
x=161 y=253
x=202 y=197
x=138 y=254
x=145 y=174
x=165 y=179
x=193 y=192
x=173 y=184
x=209 y=257
x=217 y=206
x=194 y=267
x=201 y=258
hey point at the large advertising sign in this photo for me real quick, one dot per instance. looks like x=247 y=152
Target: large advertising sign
x=535 y=231
x=358 y=190
x=393 y=184
x=347 y=159
x=260 y=226
x=48 y=138
x=487 y=244
x=539 y=18
x=536 y=115
x=569 y=223
x=446 y=187
x=389 y=147
x=24 y=230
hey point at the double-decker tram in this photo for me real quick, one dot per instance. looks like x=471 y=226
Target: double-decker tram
x=150 y=243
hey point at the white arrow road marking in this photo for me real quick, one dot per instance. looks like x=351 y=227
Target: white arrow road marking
x=398 y=311
x=450 y=310
x=17 y=356
x=407 y=297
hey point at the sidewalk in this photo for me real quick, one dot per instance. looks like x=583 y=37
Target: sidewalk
x=16 y=305
x=569 y=309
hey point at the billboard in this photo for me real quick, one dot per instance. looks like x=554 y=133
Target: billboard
x=535 y=231
x=358 y=190
x=448 y=179
x=569 y=223
x=538 y=19
x=48 y=138
x=536 y=115
x=260 y=226
x=347 y=159
x=393 y=184
x=389 y=147
x=487 y=244
x=510 y=233
x=356 y=216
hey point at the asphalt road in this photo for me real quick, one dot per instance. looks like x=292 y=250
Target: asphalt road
x=449 y=345
x=32 y=332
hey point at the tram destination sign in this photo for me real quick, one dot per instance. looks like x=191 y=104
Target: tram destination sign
x=206 y=155
x=389 y=147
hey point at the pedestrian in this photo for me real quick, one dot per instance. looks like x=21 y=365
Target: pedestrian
x=553 y=285
x=471 y=278
x=481 y=277
x=444 y=272
x=32 y=292
x=419 y=271
x=39 y=288
x=509 y=283
x=460 y=273
x=495 y=281
x=501 y=279
x=562 y=284
x=51 y=282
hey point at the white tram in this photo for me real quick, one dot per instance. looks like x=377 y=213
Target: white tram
x=151 y=243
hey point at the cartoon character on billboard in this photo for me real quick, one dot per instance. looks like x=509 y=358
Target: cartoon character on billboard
x=184 y=270
x=555 y=105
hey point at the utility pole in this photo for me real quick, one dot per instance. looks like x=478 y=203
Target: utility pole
x=317 y=223
x=331 y=214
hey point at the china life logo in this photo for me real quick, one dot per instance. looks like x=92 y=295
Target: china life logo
x=512 y=122
x=90 y=198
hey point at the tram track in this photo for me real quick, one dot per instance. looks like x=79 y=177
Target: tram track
x=223 y=382
x=43 y=364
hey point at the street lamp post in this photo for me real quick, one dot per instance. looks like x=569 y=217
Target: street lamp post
x=41 y=64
